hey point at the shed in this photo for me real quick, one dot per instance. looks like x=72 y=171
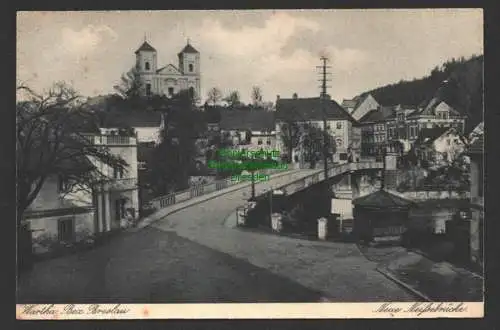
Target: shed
x=380 y=216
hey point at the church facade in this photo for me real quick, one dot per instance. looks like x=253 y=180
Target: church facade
x=169 y=79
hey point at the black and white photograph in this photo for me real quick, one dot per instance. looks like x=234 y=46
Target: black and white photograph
x=250 y=163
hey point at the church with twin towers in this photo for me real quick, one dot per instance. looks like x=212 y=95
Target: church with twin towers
x=169 y=79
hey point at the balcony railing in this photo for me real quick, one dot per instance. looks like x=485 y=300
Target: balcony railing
x=111 y=139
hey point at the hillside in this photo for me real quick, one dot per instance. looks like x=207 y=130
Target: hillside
x=463 y=89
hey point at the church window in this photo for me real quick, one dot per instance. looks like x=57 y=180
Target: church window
x=170 y=91
x=148 y=89
x=190 y=68
x=147 y=66
x=339 y=125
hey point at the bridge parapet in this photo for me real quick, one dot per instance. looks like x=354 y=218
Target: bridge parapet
x=305 y=182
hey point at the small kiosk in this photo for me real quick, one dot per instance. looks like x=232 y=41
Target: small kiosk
x=380 y=217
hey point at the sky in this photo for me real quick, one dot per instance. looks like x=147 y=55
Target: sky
x=277 y=50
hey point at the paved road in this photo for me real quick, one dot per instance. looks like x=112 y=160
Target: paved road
x=338 y=270
x=153 y=266
x=190 y=256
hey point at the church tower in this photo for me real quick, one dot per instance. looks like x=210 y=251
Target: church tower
x=146 y=65
x=189 y=66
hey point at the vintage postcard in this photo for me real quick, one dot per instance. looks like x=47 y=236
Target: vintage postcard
x=250 y=164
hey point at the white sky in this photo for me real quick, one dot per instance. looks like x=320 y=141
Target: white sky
x=276 y=50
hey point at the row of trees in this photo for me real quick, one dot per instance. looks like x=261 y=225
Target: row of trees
x=215 y=97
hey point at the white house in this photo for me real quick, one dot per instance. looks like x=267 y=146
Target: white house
x=249 y=128
x=62 y=213
x=306 y=112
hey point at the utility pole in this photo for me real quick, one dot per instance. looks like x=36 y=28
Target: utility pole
x=324 y=100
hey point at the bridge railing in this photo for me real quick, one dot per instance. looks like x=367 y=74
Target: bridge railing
x=307 y=181
x=199 y=190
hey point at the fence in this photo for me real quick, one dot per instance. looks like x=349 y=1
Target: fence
x=199 y=190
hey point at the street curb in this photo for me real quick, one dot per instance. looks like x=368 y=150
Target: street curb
x=220 y=193
x=425 y=255
x=403 y=284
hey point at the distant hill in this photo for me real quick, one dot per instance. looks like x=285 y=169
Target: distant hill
x=463 y=89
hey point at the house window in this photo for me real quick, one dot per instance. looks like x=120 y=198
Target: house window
x=448 y=142
x=66 y=229
x=339 y=125
x=259 y=142
x=268 y=142
x=117 y=172
x=343 y=156
x=170 y=91
x=190 y=68
x=147 y=66
x=148 y=89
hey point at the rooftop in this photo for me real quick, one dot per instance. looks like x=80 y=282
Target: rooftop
x=239 y=119
x=189 y=49
x=380 y=114
x=304 y=109
x=382 y=199
x=429 y=109
x=132 y=118
x=145 y=47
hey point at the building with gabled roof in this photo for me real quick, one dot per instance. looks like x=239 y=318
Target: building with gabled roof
x=407 y=122
x=306 y=112
x=360 y=105
x=169 y=79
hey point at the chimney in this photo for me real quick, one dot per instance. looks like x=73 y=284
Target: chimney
x=295 y=96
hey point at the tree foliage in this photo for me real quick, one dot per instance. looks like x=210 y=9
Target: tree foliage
x=233 y=99
x=130 y=85
x=51 y=140
x=175 y=154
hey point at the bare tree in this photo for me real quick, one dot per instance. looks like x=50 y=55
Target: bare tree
x=233 y=99
x=214 y=96
x=52 y=140
x=290 y=136
x=256 y=96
